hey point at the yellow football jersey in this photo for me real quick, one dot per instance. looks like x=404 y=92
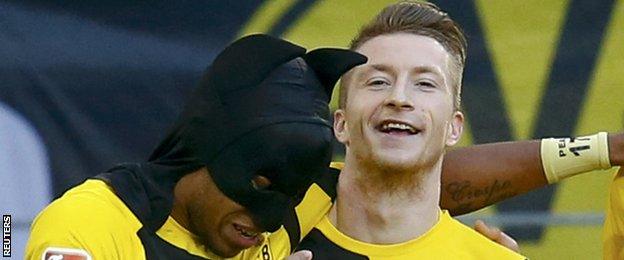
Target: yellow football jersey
x=447 y=239
x=613 y=232
x=91 y=222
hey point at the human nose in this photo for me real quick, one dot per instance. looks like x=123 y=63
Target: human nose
x=398 y=98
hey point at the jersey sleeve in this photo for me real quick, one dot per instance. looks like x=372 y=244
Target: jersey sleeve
x=613 y=230
x=84 y=225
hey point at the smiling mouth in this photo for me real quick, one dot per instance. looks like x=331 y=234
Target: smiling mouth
x=397 y=127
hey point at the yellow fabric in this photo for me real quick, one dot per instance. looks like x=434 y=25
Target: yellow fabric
x=275 y=245
x=88 y=217
x=448 y=239
x=178 y=236
x=92 y=218
x=613 y=232
x=565 y=157
x=337 y=165
x=311 y=209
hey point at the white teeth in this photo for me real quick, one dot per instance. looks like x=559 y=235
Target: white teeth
x=398 y=126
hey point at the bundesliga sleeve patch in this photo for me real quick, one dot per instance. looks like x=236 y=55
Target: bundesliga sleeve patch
x=56 y=253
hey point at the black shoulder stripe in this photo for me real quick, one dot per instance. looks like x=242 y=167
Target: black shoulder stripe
x=148 y=200
x=158 y=249
x=292 y=226
x=323 y=248
x=329 y=181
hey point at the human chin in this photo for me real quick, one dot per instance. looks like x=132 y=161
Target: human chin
x=418 y=151
x=223 y=236
x=212 y=237
x=396 y=159
x=399 y=150
x=239 y=232
x=224 y=241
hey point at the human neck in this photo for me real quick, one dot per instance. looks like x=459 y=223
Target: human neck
x=373 y=211
x=182 y=194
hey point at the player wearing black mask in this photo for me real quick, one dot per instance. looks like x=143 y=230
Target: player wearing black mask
x=250 y=141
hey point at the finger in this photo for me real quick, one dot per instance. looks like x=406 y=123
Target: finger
x=508 y=242
x=496 y=235
x=301 y=255
x=491 y=233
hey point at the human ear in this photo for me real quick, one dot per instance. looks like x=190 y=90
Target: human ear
x=340 y=127
x=455 y=129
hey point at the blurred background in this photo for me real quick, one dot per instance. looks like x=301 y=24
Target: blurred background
x=85 y=85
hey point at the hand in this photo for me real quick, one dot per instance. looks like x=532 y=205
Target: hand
x=301 y=255
x=496 y=235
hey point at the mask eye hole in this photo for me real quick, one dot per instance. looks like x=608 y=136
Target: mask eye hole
x=260 y=182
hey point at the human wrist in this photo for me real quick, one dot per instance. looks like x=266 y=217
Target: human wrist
x=566 y=157
x=616 y=149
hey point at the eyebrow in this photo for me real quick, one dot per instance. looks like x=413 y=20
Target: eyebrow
x=389 y=68
x=426 y=69
x=386 y=68
x=382 y=67
x=376 y=68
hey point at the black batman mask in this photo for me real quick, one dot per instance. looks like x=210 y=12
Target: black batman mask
x=261 y=109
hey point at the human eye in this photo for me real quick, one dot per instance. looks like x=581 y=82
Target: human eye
x=426 y=85
x=378 y=83
x=260 y=182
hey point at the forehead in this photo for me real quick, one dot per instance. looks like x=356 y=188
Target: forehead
x=406 y=51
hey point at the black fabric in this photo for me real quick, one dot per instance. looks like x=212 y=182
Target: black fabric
x=156 y=248
x=258 y=110
x=147 y=188
x=323 y=248
x=291 y=162
x=330 y=63
x=329 y=182
x=292 y=227
x=315 y=241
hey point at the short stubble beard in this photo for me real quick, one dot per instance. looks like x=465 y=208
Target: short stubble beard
x=396 y=179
